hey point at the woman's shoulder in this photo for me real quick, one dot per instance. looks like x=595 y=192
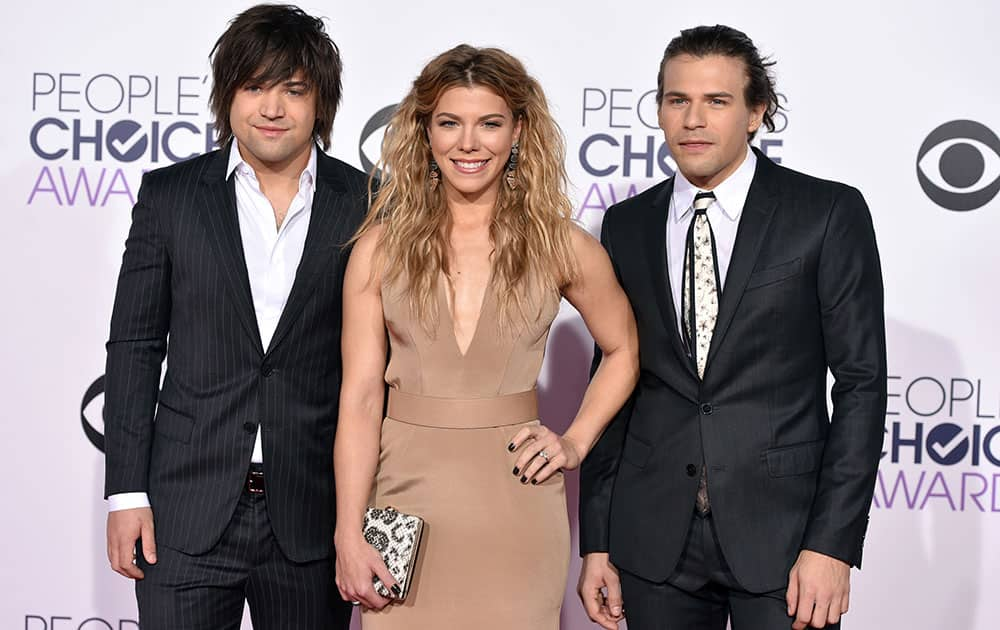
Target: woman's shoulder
x=363 y=257
x=583 y=242
x=367 y=241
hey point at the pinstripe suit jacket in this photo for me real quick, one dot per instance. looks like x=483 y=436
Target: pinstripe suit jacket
x=184 y=295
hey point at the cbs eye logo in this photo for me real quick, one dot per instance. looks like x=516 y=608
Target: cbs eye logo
x=370 y=143
x=92 y=411
x=958 y=165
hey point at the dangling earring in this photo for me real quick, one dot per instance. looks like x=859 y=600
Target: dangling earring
x=511 y=174
x=435 y=175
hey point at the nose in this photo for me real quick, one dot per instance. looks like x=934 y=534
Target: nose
x=469 y=141
x=271 y=104
x=694 y=116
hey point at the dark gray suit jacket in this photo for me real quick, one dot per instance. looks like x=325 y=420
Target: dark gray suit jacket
x=803 y=294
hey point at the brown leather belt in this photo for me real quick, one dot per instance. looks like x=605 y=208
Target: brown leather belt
x=255 y=479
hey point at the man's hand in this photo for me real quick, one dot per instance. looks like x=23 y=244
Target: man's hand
x=124 y=528
x=601 y=591
x=819 y=590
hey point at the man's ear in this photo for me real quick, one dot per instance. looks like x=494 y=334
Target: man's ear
x=756 y=117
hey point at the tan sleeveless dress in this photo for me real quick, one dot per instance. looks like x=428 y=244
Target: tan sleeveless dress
x=495 y=552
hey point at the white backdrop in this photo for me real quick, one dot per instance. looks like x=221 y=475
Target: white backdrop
x=865 y=84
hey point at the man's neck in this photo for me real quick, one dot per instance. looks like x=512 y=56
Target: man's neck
x=278 y=174
x=279 y=182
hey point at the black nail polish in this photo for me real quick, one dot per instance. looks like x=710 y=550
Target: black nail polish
x=510 y=447
x=396 y=589
x=534 y=482
x=517 y=471
x=524 y=479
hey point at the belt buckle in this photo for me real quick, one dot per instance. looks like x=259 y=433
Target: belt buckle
x=255 y=482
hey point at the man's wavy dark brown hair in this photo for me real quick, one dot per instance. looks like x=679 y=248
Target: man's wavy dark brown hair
x=268 y=44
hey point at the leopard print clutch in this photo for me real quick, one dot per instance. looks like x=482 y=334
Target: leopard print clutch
x=397 y=537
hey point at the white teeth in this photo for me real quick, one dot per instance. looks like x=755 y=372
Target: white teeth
x=470 y=166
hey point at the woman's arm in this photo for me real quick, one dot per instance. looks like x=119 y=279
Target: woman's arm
x=359 y=425
x=607 y=313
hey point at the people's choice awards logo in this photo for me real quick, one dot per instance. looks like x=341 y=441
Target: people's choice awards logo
x=942 y=445
x=958 y=165
x=370 y=142
x=91 y=409
x=93 y=134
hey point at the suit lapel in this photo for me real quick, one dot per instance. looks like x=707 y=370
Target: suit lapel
x=323 y=238
x=754 y=223
x=656 y=246
x=222 y=224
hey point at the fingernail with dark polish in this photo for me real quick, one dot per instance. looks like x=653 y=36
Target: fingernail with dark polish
x=534 y=482
x=510 y=447
x=517 y=471
x=396 y=589
x=524 y=479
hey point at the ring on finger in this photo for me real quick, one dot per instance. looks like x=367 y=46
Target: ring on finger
x=543 y=455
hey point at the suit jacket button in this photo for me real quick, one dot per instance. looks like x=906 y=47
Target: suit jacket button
x=706 y=409
x=692 y=470
x=249 y=427
x=266 y=370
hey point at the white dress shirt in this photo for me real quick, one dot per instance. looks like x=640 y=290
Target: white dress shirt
x=272 y=256
x=724 y=216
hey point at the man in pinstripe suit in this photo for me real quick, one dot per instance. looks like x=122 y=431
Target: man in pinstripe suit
x=220 y=483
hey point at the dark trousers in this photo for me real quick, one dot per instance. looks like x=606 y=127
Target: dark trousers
x=702 y=594
x=206 y=592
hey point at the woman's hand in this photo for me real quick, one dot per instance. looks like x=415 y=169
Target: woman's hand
x=543 y=452
x=358 y=563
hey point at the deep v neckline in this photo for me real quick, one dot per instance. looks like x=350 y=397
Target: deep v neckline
x=448 y=306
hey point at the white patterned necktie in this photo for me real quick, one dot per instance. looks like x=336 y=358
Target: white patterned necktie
x=700 y=301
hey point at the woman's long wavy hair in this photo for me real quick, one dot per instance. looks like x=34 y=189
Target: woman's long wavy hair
x=530 y=229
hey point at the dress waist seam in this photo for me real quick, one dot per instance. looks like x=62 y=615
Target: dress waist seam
x=463 y=413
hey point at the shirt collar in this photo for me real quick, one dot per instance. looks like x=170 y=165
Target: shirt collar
x=730 y=195
x=237 y=163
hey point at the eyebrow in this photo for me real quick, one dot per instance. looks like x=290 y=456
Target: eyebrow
x=481 y=118
x=706 y=95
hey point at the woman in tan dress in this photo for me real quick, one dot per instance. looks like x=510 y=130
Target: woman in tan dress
x=459 y=268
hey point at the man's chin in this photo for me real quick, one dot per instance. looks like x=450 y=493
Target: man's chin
x=696 y=170
x=270 y=154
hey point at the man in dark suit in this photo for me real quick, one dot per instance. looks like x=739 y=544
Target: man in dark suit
x=724 y=491
x=220 y=483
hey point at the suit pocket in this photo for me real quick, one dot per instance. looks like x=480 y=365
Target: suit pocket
x=774 y=274
x=796 y=459
x=173 y=424
x=636 y=452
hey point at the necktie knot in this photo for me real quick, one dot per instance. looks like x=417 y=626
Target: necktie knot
x=702 y=201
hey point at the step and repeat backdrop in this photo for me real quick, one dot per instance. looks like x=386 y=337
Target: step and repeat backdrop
x=897 y=98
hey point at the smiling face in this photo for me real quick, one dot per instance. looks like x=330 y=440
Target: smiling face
x=705 y=116
x=471 y=132
x=274 y=124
